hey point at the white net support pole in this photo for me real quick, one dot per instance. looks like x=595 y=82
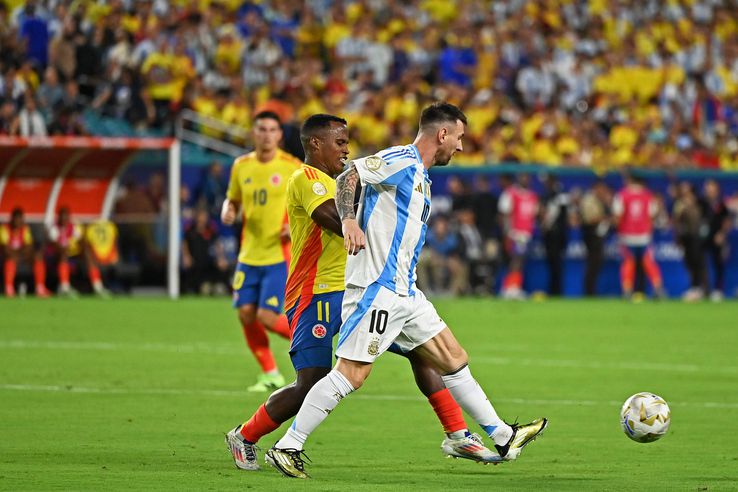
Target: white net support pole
x=175 y=217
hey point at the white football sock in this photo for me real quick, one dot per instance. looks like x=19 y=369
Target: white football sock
x=319 y=402
x=470 y=396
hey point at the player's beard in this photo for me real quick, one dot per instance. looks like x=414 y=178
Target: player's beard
x=441 y=158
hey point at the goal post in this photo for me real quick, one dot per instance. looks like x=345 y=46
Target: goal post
x=175 y=217
x=39 y=174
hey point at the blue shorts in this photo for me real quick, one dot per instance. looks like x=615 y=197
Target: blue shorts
x=260 y=285
x=313 y=327
x=395 y=349
x=636 y=251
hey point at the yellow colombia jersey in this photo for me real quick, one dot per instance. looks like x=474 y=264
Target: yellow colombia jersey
x=102 y=236
x=261 y=188
x=318 y=258
x=15 y=238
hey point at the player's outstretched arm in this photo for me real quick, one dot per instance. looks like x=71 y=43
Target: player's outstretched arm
x=353 y=236
x=326 y=216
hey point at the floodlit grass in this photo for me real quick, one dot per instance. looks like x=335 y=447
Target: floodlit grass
x=137 y=393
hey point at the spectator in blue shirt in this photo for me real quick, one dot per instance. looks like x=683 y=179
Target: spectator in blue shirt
x=35 y=33
x=283 y=24
x=456 y=64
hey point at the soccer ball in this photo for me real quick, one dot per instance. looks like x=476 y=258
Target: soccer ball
x=645 y=417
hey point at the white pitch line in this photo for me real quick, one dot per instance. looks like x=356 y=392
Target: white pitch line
x=70 y=388
x=112 y=346
x=205 y=348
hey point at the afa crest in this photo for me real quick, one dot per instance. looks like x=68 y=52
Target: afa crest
x=373 y=349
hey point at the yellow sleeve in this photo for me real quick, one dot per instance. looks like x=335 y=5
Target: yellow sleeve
x=148 y=62
x=27 y=237
x=309 y=193
x=234 y=188
x=3 y=235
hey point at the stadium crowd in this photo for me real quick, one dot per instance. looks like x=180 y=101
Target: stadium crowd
x=598 y=83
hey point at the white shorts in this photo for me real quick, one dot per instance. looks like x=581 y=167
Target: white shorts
x=374 y=317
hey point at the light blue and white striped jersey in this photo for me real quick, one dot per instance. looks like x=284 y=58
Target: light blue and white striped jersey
x=395 y=206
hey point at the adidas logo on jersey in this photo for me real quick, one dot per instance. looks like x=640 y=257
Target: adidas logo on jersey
x=425 y=190
x=272 y=301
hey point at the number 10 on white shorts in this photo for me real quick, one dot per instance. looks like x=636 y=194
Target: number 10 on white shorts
x=374 y=317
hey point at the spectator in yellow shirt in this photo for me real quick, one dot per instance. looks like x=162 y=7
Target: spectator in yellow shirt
x=729 y=156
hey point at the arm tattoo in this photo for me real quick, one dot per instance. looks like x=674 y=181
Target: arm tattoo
x=345 y=191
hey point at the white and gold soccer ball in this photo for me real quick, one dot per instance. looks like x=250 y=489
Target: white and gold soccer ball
x=645 y=417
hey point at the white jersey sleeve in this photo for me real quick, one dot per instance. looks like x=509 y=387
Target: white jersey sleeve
x=504 y=206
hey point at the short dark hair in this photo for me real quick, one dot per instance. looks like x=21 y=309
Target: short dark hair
x=317 y=122
x=633 y=175
x=268 y=115
x=441 y=112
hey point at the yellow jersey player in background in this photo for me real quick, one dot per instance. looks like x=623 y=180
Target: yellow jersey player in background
x=68 y=243
x=101 y=253
x=258 y=185
x=314 y=295
x=16 y=245
x=65 y=238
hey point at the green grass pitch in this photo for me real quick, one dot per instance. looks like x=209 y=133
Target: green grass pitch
x=136 y=394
